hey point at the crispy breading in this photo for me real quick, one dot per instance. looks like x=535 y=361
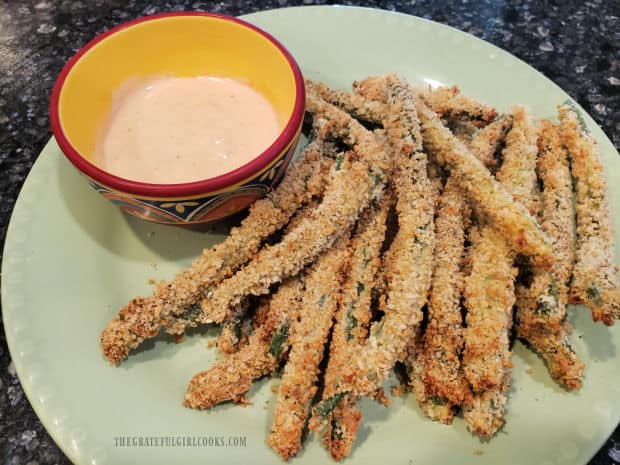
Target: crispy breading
x=595 y=280
x=486 y=414
x=510 y=217
x=489 y=298
x=557 y=213
x=450 y=103
x=372 y=88
x=368 y=102
x=551 y=342
x=308 y=335
x=359 y=106
x=541 y=308
x=435 y=407
x=351 y=326
x=231 y=377
x=303 y=214
x=353 y=184
x=173 y=303
x=447 y=102
x=232 y=331
x=518 y=171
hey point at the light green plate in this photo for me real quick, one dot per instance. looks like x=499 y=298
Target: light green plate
x=72 y=259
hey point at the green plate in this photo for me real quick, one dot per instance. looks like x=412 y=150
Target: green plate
x=72 y=259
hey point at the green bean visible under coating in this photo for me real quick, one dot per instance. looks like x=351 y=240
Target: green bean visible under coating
x=541 y=307
x=510 y=217
x=595 y=280
x=308 y=335
x=173 y=304
x=351 y=327
x=230 y=332
x=231 y=377
x=353 y=184
x=435 y=407
x=551 y=342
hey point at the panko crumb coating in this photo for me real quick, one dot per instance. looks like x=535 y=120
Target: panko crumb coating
x=595 y=275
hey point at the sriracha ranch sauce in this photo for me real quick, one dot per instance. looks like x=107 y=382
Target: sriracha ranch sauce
x=173 y=130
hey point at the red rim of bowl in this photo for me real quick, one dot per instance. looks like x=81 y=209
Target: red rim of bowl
x=189 y=188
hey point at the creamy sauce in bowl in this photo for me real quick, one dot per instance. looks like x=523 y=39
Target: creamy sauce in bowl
x=172 y=130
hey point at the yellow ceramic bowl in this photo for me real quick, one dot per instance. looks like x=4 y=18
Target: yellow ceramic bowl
x=178 y=44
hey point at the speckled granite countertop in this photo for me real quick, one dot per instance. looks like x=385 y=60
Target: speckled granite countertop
x=576 y=44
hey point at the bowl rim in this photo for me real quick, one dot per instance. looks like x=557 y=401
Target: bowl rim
x=203 y=186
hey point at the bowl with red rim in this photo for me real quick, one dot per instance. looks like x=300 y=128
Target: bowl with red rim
x=183 y=44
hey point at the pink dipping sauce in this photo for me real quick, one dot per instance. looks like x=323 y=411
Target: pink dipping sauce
x=173 y=130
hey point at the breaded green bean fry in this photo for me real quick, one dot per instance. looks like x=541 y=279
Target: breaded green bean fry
x=308 y=336
x=489 y=298
x=518 y=171
x=595 y=280
x=558 y=213
x=440 y=369
x=351 y=326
